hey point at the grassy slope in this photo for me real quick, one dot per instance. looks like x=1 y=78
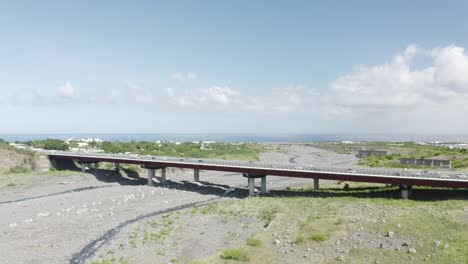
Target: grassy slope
x=27 y=178
x=328 y=215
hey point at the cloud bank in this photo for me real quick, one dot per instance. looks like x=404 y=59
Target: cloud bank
x=419 y=89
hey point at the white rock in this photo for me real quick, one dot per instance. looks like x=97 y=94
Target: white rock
x=276 y=242
x=13 y=224
x=79 y=212
x=43 y=214
x=412 y=250
x=27 y=221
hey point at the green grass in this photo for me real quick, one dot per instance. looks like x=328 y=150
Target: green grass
x=238 y=254
x=318 y=237
x=299 y=239
x=317 y=218
x=254 y=242
x=241 y=151
x=17 y=170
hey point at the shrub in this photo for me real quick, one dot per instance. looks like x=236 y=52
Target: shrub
x=254 y=242
x=235 y=254
x=299 y=239
x=318 y=237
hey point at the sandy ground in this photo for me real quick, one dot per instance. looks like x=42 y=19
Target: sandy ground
x=74 y=218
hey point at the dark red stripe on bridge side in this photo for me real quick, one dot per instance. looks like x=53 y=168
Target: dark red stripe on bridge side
x=279 y=172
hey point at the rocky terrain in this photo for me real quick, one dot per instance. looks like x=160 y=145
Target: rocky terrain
x=110 y=217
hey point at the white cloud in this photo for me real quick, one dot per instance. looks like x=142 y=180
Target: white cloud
x=191 y=76
x=179 y=76
x=137 y=93
x=399 y=85
x=291 y=98
x=66 y=90
x=214 y=95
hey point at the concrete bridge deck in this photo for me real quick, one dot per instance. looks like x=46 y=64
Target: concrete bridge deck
x=254 y=169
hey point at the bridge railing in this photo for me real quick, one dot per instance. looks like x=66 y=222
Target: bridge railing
x=262 y=165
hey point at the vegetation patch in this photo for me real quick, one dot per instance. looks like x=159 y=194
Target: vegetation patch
x=241 y=151
x=17 y=170
x=239 y=254
x=254 y=242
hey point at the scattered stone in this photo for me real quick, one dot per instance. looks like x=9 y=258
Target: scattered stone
x=276 y=242
x=446 y=246
x=381 y=245
x=43 y=214
x=399 y=226
x=308 y=249
x=437 y=243
x=79 y=212
x=405 y=244
x=390 y=234
x=28 y=221
x=13 y=224
x=412 y=250
x=340 y=258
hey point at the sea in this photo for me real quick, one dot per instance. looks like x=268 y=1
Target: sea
x=261 y=138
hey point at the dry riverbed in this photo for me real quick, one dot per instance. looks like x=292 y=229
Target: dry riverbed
x=110 y=217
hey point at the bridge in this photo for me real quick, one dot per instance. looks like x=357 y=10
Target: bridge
x=253 y=170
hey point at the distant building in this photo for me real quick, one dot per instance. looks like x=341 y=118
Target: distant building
x=367 y=153
x=443 y=163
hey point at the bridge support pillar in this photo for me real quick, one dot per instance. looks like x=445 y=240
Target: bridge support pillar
x=96 y=166
x=251 y=186
x=163 y=175
x=264 y=185
x=196 y=175
x=316 y=183
x=150 y=177
x=117 y=166
x=83 y=167
x=405 y=191
x=152 y=170
x=251 y=182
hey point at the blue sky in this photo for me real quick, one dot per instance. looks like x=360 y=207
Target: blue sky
x=233 y=66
